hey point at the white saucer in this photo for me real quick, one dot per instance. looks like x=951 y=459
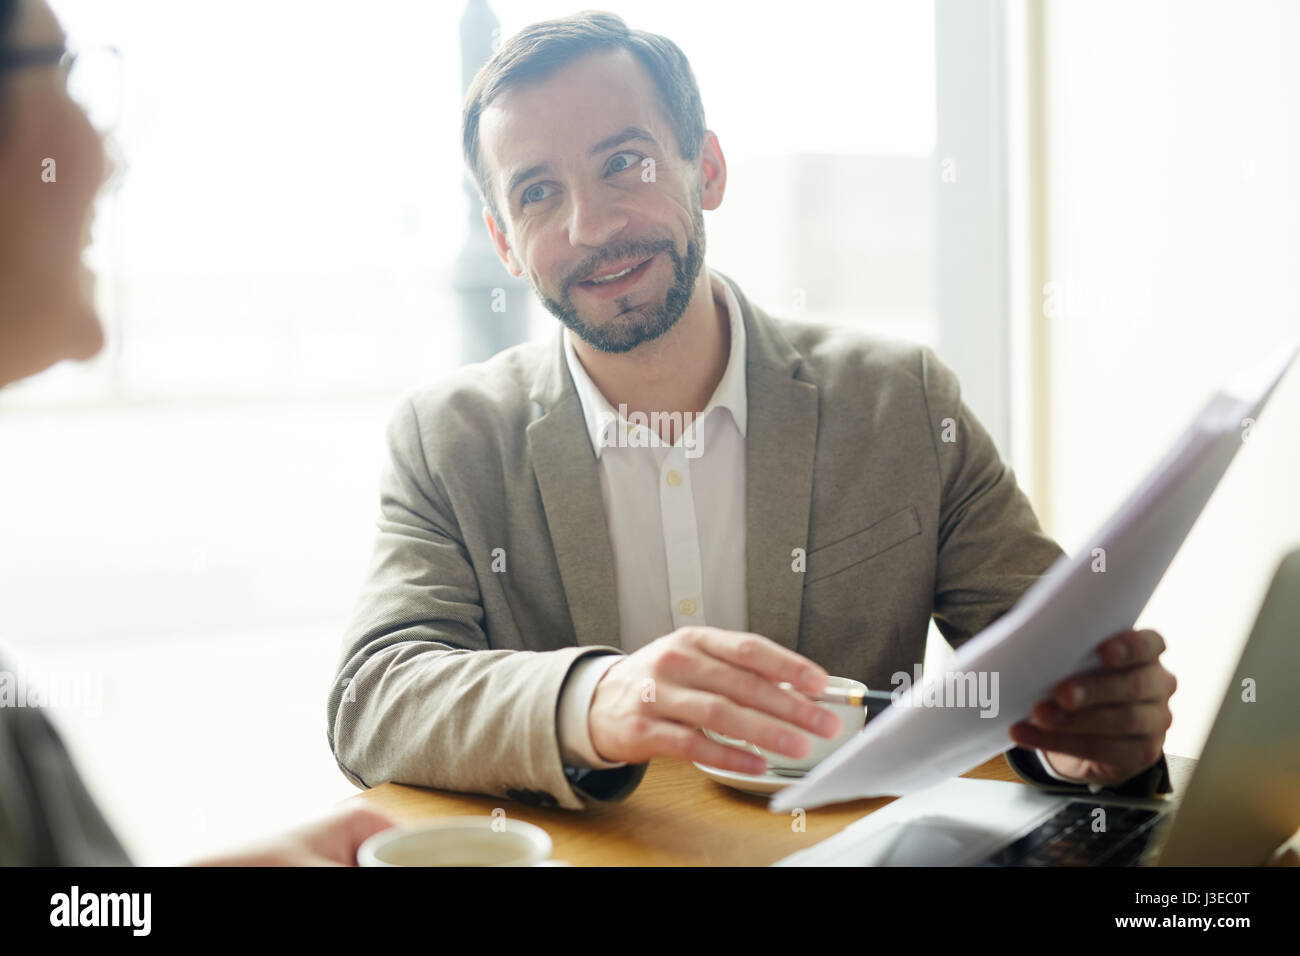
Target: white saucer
x=756 y=783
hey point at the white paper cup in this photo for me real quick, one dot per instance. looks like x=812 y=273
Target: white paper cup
x=852 y=719
x=459 y=841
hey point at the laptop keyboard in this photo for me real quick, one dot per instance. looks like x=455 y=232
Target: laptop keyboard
x=1068 y=839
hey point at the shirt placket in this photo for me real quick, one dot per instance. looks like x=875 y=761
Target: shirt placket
x=681 y=538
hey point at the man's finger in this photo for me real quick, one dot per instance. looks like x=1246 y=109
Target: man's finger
x=689 y=743
x=708 y=673
x=697 y=708
x=763 y=656
x=1136 y=719
x=1143 y=682
x=1131 y=647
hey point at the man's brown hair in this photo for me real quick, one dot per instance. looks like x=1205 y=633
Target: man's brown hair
x=538 y=50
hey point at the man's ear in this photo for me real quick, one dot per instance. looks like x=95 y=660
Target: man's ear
x=711 y=172
x=501 y=243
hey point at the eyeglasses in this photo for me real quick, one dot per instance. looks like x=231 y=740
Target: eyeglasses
x=91 y=76
x=15 y=59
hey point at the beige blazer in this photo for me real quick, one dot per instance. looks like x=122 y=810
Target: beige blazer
x=859 y=451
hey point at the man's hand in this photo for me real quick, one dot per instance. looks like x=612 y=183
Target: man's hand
x=1108 y=725
x=332 y=841
x=655 y=702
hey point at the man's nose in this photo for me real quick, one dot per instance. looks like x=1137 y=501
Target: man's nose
x=593 y=221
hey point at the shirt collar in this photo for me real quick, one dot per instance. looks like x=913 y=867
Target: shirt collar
x=730 y=393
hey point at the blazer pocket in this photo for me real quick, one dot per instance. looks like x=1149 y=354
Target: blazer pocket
x=861 y=545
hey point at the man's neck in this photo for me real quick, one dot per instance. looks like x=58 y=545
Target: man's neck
x=677 y=372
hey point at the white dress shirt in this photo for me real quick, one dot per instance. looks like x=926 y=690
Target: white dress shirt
x=676 y=517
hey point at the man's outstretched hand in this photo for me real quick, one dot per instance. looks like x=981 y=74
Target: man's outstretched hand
x=1108 y=725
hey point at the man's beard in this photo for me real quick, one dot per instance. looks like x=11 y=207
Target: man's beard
x=627 y=330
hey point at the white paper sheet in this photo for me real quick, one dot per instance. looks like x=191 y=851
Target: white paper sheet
x=1053 y=631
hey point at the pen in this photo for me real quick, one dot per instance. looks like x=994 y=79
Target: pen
x=874 y=700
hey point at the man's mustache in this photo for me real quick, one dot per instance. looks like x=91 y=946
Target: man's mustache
x=638 y=255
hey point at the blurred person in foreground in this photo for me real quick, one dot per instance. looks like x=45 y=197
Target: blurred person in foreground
x=47 y=314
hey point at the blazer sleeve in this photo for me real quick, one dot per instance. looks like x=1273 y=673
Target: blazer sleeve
x=991 y=548
x=1150 y=782
x=419 y=697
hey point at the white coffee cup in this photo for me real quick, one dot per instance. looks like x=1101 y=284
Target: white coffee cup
x=853 y=717
x=459 y=841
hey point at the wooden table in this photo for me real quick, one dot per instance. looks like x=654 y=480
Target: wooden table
x=676 y=817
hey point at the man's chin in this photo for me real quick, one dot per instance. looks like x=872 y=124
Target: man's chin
x=621 y=334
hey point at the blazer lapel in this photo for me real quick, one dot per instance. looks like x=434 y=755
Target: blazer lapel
x=780 y=440
x=567 y=476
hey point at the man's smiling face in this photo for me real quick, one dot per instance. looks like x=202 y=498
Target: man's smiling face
x=566 y=159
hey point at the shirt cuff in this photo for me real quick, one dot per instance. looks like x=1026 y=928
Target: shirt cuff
x=576 y=749
x=1047 y=767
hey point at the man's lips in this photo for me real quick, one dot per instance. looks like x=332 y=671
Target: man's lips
x=623 y=285
x=615 y=269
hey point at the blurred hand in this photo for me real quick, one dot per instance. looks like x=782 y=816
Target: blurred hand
x=330 y=841
x=655 y=702
x=1116 y=729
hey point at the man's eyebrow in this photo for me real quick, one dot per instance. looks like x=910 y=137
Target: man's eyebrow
x=626 y=135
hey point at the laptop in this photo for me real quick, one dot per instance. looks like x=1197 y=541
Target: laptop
x=1241 y=803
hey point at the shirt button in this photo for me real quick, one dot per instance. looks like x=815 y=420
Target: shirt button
x=674 y=479
x=686 y=605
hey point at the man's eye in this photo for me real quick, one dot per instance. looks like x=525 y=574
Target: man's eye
x=629 y=165
x=525 y=200
x=529 y=197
